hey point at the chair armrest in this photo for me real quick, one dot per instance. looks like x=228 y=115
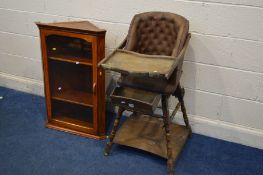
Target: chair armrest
x=133 y=63
x=123 y=43
x=182 y=52
x=121 y=46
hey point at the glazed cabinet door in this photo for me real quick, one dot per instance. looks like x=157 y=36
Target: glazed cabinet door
x=70 y=70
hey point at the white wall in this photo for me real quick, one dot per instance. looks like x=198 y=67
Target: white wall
x=223 y=70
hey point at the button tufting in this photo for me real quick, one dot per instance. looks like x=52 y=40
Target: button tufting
x=155 y=35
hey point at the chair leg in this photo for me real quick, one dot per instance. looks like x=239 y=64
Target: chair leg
x=113 y=132
x=166 y=120
x=183 y=109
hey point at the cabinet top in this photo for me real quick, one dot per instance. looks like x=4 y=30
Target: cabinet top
x=75 y=26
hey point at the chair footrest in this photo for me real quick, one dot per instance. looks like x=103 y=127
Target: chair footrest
x=135 y=99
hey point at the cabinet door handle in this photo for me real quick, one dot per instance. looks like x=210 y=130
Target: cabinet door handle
x=94 y=88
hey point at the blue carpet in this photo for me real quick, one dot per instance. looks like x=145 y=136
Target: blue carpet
x=28 y=148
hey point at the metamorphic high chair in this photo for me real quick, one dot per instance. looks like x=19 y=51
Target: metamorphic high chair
x=150 y=61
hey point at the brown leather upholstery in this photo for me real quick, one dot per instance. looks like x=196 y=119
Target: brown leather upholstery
x=156 y=33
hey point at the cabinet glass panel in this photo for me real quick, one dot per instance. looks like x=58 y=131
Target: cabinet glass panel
x=71 y=83
x=69 y=49
x=72 y=113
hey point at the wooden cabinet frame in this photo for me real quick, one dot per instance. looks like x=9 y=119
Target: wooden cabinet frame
x=91 y=34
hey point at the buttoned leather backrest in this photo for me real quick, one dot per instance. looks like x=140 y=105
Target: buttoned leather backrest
x=157 y=33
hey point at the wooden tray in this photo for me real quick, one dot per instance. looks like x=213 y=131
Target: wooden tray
x=135 y=99
x=128 y=62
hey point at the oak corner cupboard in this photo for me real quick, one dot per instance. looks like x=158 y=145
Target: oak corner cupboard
x=74 y=86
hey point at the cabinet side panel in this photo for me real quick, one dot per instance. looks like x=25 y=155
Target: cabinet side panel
x=45 y=73
x=101 y=87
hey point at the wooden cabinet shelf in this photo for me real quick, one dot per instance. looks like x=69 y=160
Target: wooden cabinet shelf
x=83 y=61
x=72 y=121
x=75 y=97
x=72 y=114
x=74 y=85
